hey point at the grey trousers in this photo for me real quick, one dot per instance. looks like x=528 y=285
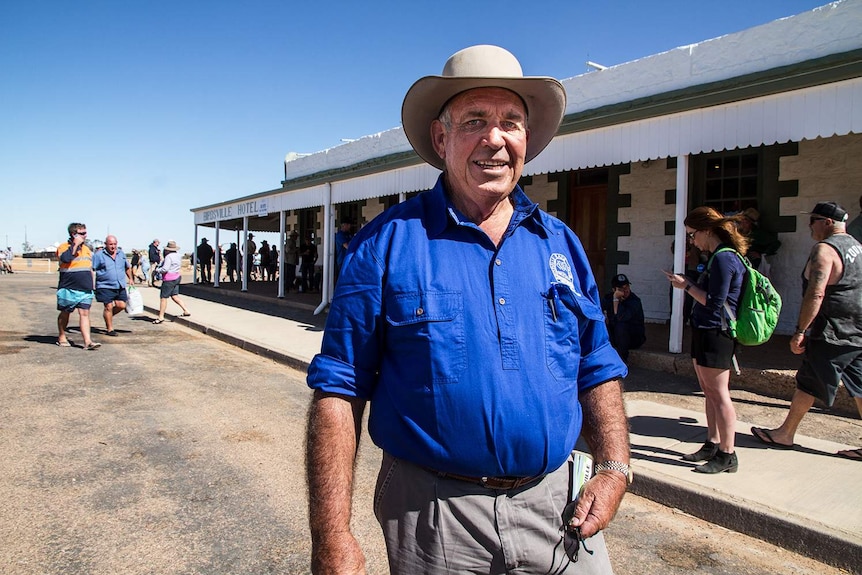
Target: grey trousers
x=435 y=525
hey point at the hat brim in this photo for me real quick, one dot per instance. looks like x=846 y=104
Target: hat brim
x=544 y=97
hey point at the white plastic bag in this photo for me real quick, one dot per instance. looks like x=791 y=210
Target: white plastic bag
x=135 y=305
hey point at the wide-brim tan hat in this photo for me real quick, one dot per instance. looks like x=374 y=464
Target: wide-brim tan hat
x=482 y=66
x=172 y=246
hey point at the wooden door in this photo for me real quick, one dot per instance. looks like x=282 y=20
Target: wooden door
x=588 y=219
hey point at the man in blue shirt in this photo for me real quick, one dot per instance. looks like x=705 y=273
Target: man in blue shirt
x=113 y=275
x=470 y=320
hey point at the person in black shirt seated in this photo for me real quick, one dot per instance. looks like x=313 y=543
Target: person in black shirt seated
x=625 y=315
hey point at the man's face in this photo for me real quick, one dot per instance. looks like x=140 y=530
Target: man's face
x=820 y=227
x=81 y=232
x=484 y=144
x=111 y=245
x=624 y=291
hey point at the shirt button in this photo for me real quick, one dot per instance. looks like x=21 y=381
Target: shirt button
x=502 y=301
x=498 y=262
x=419 y=311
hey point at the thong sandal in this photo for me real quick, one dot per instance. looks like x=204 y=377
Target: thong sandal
x=64 y=343
x=185 y=314
x=763 y=436
x=854 y=454
x=158 y=320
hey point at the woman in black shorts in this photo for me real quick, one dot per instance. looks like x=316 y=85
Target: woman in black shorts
x=712 y=349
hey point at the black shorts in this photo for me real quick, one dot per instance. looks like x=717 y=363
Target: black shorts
x=712 y=348
x=108 y=295
x=170 y=288
x=824 y=365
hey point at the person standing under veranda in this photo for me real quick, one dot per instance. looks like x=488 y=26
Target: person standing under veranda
x=75 y=288
x=470 y=319
x=263 y=268
x=248 y=257
x=308 y=257
x=291 y=259
x=342 y=242
x=230 y=257
x=829 y=331
x=205 y=254
x=113 y=276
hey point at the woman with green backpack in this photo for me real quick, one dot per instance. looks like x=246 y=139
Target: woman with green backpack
x=712 y=347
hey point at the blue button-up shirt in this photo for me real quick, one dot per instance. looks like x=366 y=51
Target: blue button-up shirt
x=110 y=272
x=472 y=355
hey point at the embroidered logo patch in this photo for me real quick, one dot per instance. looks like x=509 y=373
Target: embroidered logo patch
x=562 y=270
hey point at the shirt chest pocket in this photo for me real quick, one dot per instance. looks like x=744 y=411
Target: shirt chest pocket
x=425 y=335
x=566 y=317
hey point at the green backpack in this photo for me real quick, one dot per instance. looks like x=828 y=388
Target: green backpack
x=758 y=309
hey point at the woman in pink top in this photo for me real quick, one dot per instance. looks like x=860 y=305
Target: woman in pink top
x=170 y=270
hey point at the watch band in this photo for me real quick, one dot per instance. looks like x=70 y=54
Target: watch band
x=619 y=466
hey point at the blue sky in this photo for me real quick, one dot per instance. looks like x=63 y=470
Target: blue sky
x=126 y=115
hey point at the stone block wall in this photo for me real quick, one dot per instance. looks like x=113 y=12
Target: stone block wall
x=648 y=246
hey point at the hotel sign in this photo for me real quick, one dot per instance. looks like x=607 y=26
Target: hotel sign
x=237 y=210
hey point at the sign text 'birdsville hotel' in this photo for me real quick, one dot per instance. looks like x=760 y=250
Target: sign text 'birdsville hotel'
x=237 y=210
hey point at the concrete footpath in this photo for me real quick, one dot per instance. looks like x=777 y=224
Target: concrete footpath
x=807 y=499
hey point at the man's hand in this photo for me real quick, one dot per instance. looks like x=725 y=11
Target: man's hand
x=797 y=343
x=337 y=553
x=598 y=502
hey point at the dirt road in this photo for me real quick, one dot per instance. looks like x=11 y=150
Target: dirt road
x=168 y=452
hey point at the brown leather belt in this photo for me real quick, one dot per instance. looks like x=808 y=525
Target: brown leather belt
x=504 y=483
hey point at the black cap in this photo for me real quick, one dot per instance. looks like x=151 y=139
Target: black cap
x=829 y=210
x=620 y=280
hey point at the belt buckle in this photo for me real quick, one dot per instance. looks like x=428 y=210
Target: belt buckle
x=499 y=482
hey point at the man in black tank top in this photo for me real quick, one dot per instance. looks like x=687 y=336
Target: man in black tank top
x=829 y=332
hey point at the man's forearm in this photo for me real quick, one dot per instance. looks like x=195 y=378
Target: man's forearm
x=334 y=423
x=606 y=428
x=810 y=308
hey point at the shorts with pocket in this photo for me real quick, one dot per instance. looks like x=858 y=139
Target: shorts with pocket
x=712 y=347
x=69 y=300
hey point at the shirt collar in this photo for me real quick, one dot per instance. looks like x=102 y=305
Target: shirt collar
x=441 y=212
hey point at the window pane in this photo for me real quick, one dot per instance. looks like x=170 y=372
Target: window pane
x=713 y=191
x=713 y=167
x=731 y=167
x=731 y=189
x=749 y=165
x=749 y=188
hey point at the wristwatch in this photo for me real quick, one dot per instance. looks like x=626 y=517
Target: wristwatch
x=623 y=468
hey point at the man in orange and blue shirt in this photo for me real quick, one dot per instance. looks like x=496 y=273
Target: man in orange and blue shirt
x=75 y=289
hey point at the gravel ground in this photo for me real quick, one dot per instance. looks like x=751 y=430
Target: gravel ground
x=168 y=452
